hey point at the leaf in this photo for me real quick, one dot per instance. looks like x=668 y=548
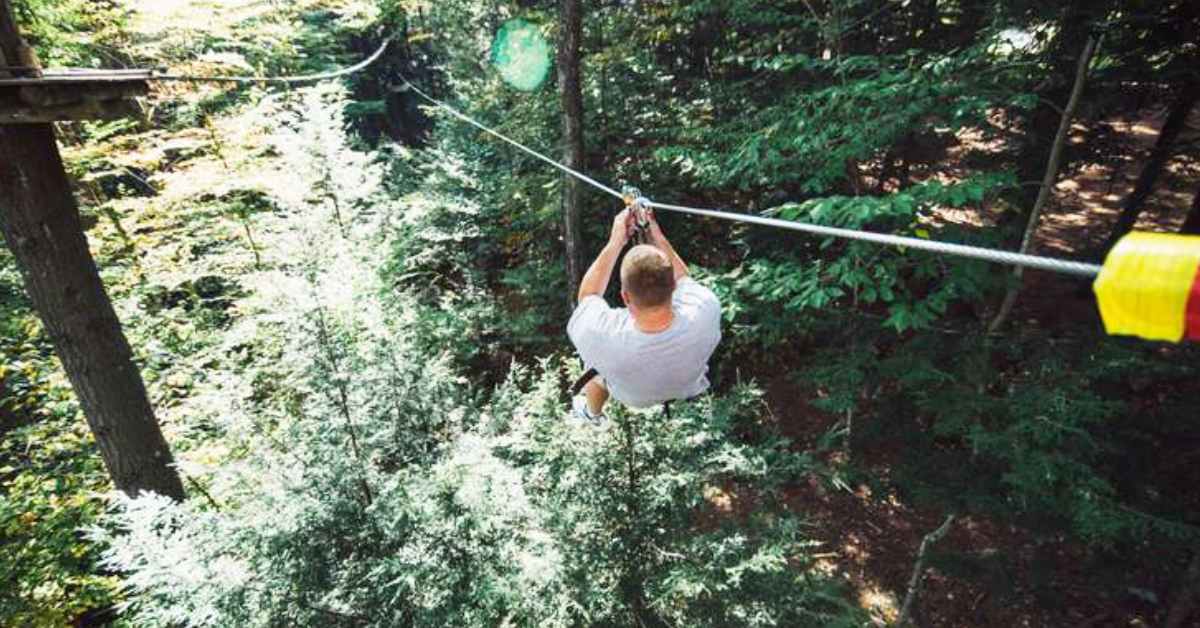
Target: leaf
x=975 y=191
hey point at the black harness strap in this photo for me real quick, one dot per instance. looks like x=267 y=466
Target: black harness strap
x=591 y=374
x=583 y=380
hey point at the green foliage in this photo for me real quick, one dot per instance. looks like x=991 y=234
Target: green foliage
x=391 y=446
x=824 y=114
x=78 y=33
x=642 y=542
x=808 y=138
x=507 y=515
x=483 y=271
x=50 y=471
x=374 y=485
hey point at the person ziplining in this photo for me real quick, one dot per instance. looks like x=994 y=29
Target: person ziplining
x=654 y=350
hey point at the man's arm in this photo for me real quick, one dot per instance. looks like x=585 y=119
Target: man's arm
x=660 y=240
x=595 y=280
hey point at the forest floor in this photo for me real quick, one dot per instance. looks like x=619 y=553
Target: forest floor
x=874 y=540
x=174 y=243
x=1084 y=207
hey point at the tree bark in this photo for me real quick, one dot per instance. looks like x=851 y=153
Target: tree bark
x=571 y=92
x=1064 y=125
x=41 y=226
x=1191 y=225
x=1136 y=201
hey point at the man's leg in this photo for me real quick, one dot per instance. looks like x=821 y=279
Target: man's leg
x=597 y=394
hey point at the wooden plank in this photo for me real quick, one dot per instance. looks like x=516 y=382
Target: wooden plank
x=32 y=114
x=54 y=95
x=139 y=72
x=72 y=71
x=75 y=79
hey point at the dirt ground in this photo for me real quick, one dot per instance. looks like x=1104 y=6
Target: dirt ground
x=1084 y=208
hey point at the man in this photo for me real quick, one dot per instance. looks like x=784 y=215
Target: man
x=657 y=348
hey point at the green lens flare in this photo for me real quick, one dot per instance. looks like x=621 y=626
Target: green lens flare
x=521 y=55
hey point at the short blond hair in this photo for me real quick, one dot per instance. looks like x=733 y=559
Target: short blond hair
x=647 y=276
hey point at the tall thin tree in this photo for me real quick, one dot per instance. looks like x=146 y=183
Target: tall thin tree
x=1056 y=151
x=1164 y=148
x=571 y=92
x=41 y=226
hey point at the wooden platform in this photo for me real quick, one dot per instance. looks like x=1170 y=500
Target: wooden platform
x=62 y=95
x=50 y=78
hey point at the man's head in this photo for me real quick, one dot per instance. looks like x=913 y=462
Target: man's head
x=647 y=279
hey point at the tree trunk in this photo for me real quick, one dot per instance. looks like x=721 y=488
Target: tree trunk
x=1136 y=201
x=571 y=92
x=41 y=226
x=1191 y=225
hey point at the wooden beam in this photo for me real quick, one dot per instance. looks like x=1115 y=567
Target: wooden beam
x=142 y=72
x=50 y=96
x=70 y=94
x=83 y=110
x=76 y=77
x=60 y=103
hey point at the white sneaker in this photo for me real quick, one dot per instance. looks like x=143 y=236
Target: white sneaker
x=580 y=412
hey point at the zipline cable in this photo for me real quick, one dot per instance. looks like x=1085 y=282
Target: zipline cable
x=1068 y=267
x=949 y=248
x=469 y=120
x=303 y=78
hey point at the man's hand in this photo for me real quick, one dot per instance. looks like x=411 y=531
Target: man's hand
x=620 y=229
x=597 y=276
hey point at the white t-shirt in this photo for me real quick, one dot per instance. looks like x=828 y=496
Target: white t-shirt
x=642 y=369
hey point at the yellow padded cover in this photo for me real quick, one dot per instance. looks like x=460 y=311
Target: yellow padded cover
x=1144 y=287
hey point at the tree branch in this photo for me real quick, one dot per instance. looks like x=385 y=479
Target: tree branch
x=914 y=583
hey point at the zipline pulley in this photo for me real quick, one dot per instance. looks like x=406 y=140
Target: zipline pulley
x=639 y=206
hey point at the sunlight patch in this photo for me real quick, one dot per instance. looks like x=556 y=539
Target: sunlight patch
x=880 y=603
x=521 y=55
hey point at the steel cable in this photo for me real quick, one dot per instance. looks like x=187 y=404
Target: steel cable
x=1051 y=264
